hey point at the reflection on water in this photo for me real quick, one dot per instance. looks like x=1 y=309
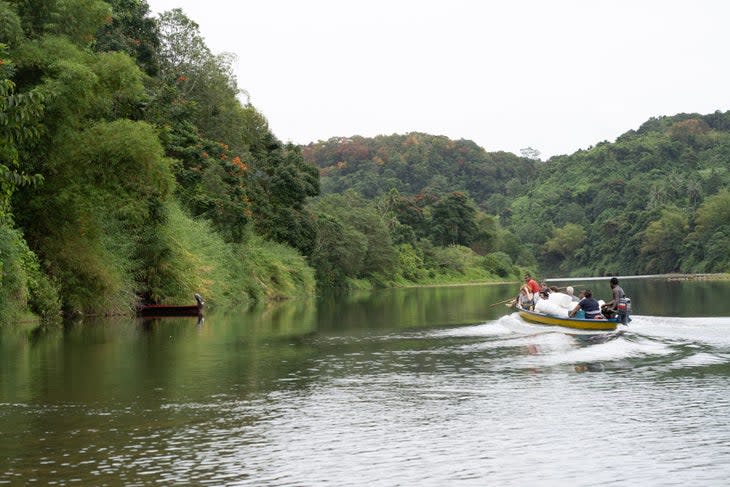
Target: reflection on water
x=409 y=387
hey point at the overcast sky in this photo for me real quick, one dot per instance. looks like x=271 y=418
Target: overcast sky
x=556 y=75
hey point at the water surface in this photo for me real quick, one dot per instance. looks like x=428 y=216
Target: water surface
x=427 y=386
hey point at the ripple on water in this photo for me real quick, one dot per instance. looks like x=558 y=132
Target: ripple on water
x=490 y=403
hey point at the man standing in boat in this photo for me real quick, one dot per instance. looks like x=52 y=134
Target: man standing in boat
x=618 y=293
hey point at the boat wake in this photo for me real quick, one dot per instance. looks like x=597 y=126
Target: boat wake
x=664 y=343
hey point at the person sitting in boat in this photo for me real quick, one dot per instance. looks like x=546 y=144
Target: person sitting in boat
x=609 y=309
x=569 y=291
x=532 y=285
x=526 y=299
x=589 y=306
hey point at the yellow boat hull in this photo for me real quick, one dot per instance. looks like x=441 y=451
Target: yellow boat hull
x=576 y=323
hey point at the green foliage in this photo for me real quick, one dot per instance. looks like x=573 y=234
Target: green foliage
x=133 y=32
x=282 y=183
x=119 y=86
x=35 y=15
x=711 y=236
x=79 y=20
x=713 y=215
x=486 y=236
x=358 y=240
x=453 y=221
x=76 y=20
x=417 y=163
x=460 y=264
x=19 y=118
x=99 y=199
x=663 y=242
x=227 y=274
x=113 y=148
x=410 y=263
x=233 y=170
x=22 y=285
x=352 y=240
x=11 y=31
x=566 y=240
x=500 y=264
x=452 y=259
x=635 y=199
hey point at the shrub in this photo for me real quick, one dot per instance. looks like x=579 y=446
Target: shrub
x=498 y=263
x=22 y=284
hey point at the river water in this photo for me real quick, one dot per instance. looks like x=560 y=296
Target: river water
x=429 y=386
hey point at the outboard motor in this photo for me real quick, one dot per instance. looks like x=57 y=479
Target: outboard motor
x=624 y=310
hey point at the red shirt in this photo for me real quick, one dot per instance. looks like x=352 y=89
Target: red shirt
x=533 y=285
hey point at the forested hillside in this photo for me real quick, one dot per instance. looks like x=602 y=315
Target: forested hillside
x=432 y=195
x=656 y=200
x=131 y=171
x=418 y=163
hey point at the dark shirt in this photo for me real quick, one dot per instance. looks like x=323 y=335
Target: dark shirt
x=590 y=306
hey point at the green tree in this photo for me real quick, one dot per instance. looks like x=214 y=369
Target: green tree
x=20 y=116
x=712 y=229
x=485 y=238
x=453 y=221
x=132 y=31
x=663 y=242
x=11 y=30
x=566 y=240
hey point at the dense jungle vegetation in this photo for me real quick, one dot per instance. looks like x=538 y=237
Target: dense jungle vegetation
x=131 y=171
x=654 y=201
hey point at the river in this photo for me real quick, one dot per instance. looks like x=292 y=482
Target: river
x=427 y=386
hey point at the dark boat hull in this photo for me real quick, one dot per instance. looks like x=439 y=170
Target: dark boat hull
x=152 y=310
x=164 y=310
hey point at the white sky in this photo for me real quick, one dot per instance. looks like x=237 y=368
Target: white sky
x=556 y=75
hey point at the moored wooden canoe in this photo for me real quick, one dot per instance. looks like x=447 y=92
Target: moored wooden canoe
x=151 y=310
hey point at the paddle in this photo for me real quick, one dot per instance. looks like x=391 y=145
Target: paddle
x=501 y=302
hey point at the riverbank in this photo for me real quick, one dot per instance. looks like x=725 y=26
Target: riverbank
x=668 y=277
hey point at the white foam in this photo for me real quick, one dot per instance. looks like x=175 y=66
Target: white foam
x=714 y=331
x=700 y=360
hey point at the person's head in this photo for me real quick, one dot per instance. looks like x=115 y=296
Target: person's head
x=614 y=281
x=553 y=289
x=527 y=277
x=587 y=293
x=569 y=290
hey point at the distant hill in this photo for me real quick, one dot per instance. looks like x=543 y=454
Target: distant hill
x=655 y=200
x=415 y=163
